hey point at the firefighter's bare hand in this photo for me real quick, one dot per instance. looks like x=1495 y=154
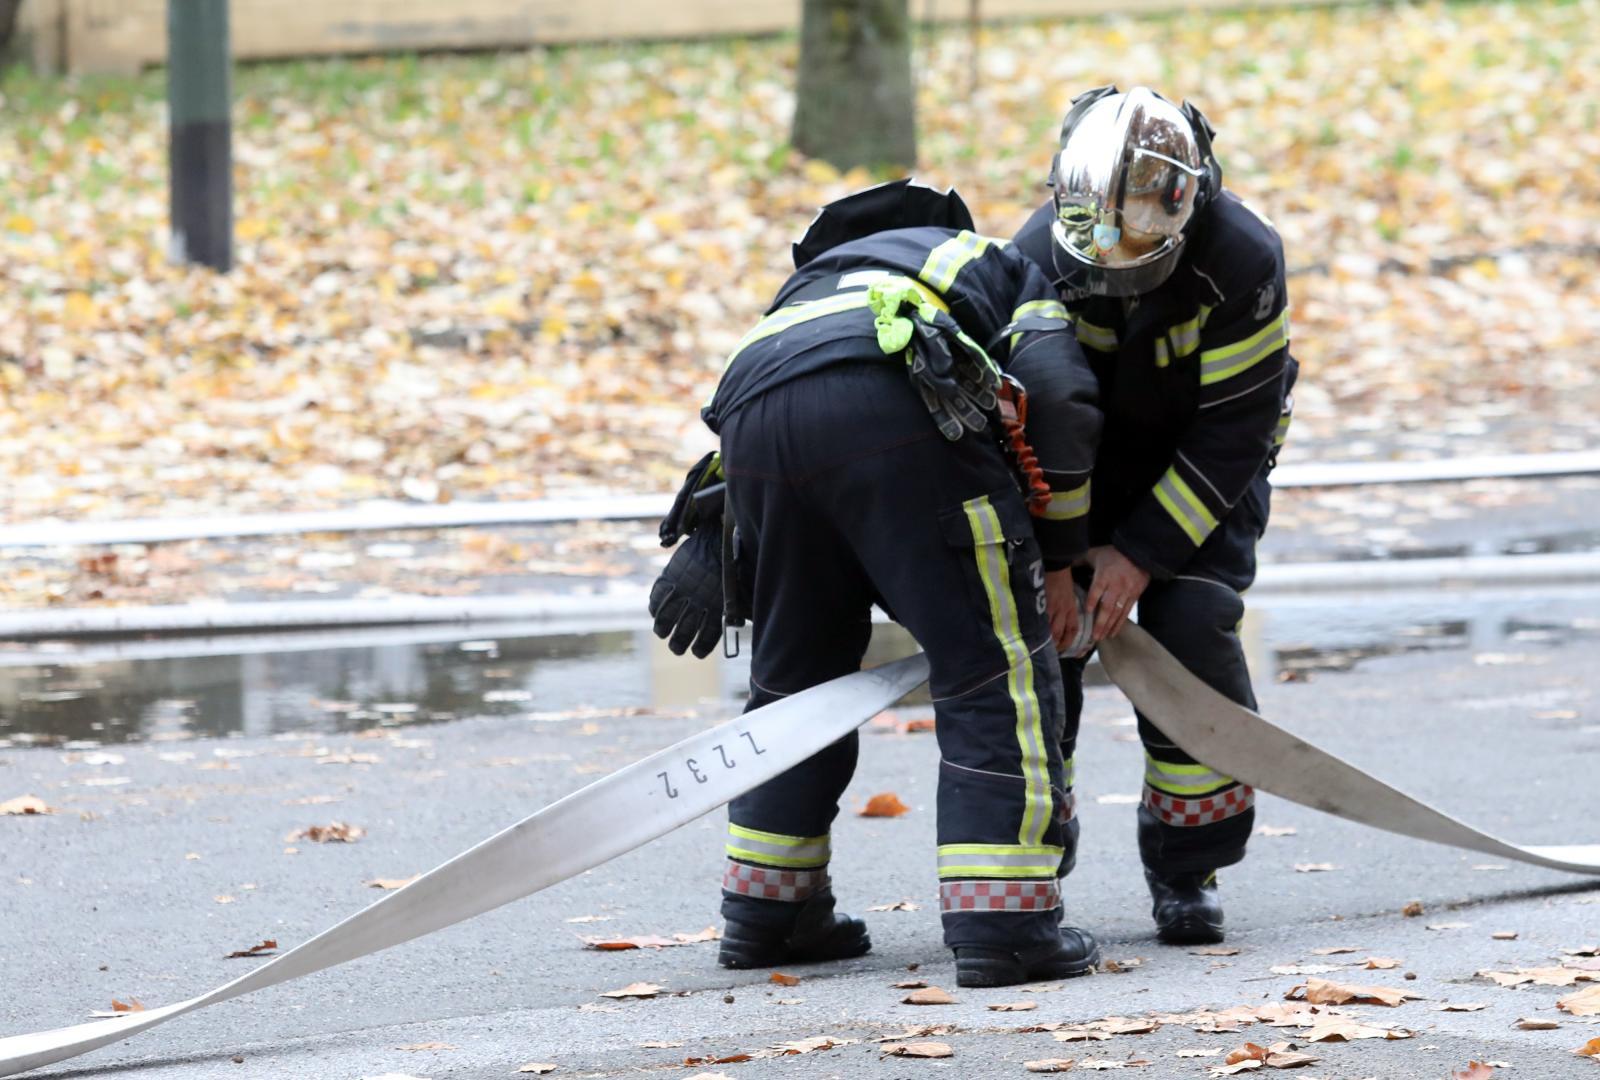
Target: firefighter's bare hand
x=1118 y=583
x=1061 y=601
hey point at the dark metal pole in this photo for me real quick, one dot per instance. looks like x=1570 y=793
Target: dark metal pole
x=199 y=93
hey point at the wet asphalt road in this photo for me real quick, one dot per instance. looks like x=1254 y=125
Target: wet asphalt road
x=160 y=863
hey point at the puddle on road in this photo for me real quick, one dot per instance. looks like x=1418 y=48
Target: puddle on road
x=346 y=681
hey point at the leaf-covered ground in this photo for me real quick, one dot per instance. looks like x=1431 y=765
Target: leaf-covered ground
x=502 y=276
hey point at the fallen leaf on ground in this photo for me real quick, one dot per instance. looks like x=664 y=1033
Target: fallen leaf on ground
x=335 y=833
x=1504 y=935
x=709 y=1076
x=1465 y=1006
x=1119 y=967
x=1214 y=950
x=394 y=1076
x=223 y=899
x=908 y=984
x=1275 y=830
x=728 y=1059
x=1589 y=1049
x=391 y=883
x=25 y=805
x=1475 y=1070
x=131 y=1005
x=1247 y=1052
x=1213 y=1052
x=1381 y=963
x=918 y=724
x=806 y=1046
x=1248 y=1065
x=1545 y=976
x=919 y=1050
x=1303 y=969
x=1323 y=992
x=1098 y=1064
x=589 y=918
x=884 y=804
x=917 y=1031
x=1412 y=909
x=1448 y=926
x=1080 y=1034
x=930 y=995
x=639 y=941
x=1313 y=867
x=634 y=990
x=1116 y=1025
x=898 y=905
x=1535 y=1024
x=1048 y=1065
x=426 y=1046
x=1334 y=950
x=1583 y=1003
x=537 y=1067
x=255 y=950
x=710 y=933
x=1338 y=1029
x=1583 y=950
x=784 y=980
x=661 y=1044
x=1287 y=1059
x=1014 y=1006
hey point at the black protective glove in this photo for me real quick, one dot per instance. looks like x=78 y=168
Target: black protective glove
x=688 y=513
x=686 y=600
x=957 y=382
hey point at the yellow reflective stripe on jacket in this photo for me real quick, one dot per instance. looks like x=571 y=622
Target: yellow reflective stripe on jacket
x=945 y=261
x=1228 y=361
x=1066 y=505
x=794 y=314
x=1182 y=779
x=1180 y=501
x=776 y=849
x=1099 y=338
x=1185 y=337
x=1283 y=429
x=989 y=550
x=1043 y=309
x=999 y=860
x=1069 y=772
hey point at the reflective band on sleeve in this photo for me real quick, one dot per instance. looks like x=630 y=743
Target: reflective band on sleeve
x=1228 y=361
x=789 y=885
x=1066 y=505
x=1283 y=429
x=1099 y=338
x=998 y=860
x=1041 y=309
x=794 y=314
x=988 y=541
x=1069 y=772
x=999 y=895
x=946 y=260
x=1185 y=337
x=1206 y=811
x=775 y=849
x=1175 y=779
x=1163 y=358
x=1180 y=501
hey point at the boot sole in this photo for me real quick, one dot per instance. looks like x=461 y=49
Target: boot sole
x=1190 y=930
x=740 y=954
x=986 y=974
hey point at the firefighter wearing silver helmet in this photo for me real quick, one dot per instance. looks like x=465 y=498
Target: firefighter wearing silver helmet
x=1177 y=290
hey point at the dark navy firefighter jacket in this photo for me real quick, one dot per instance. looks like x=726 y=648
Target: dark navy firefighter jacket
x=1194 y=382
x=999 y=298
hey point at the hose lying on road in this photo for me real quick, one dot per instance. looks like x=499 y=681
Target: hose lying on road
x=691 y=778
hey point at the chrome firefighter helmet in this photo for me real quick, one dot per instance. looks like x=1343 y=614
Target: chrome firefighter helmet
x=1132 y=171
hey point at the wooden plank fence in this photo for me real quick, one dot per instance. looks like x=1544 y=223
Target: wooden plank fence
x=97 y=36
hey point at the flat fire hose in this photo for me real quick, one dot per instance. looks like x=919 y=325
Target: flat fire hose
x=613 y=815
x=691 y=778
x=1231 y=739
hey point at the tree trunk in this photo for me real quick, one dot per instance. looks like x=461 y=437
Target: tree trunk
x=855 y=104
x=8 y=23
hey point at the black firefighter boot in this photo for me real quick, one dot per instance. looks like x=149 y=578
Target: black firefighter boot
x=1076 y=954
x=1187 y=909
x=817 y=933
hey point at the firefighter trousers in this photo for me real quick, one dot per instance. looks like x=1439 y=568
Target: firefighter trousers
x=845 y=494
x=1190 y=817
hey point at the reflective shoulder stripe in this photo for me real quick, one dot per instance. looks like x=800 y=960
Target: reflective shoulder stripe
x=945 y=261
x=1066 y=505
x=1229 y=360
x=1101 y=338
x=1185 y=507
x=795 y=314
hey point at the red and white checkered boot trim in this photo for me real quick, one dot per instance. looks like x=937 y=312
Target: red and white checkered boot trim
x=766 y=884
x=1205 y=810
x=999 y=895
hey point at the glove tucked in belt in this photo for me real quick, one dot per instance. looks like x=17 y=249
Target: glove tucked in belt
x=953 y=375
